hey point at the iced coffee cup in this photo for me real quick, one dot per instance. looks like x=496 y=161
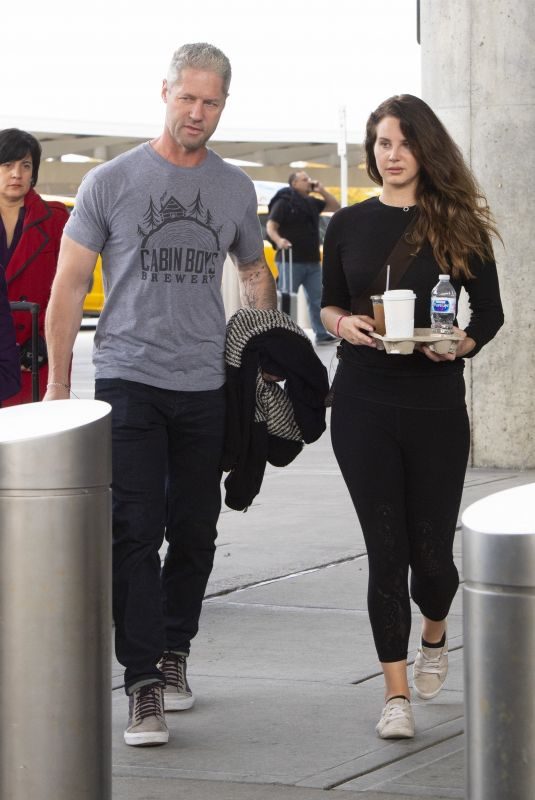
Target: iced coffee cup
x=378 y=313
x=398 y=307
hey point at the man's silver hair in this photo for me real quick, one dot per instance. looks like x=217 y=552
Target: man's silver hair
x=199 y=55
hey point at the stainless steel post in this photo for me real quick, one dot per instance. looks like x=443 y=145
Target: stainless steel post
x=499 y=645
x=55 y=601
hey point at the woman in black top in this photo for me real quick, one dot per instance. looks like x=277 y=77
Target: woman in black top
x=399 y=424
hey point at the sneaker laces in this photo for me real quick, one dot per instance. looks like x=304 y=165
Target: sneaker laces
x=148 y=702
x=173 y=666
x=430 y=663
x=393 y=711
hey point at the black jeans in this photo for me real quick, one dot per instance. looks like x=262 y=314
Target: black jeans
x=404 y=468
x=166 y=453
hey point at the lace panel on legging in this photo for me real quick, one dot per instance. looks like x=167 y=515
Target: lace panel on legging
x=388 y=592
x=434 y=576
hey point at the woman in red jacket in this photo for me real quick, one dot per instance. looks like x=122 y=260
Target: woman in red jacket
x=30 y=234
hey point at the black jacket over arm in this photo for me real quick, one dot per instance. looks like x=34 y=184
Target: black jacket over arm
x=266 y=423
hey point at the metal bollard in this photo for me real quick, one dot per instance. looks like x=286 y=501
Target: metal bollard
x=55 y=601
x=499 y=645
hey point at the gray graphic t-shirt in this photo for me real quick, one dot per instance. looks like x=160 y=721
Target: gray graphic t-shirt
x=164 y=232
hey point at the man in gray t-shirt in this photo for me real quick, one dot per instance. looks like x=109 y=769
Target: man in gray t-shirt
x=163 y=216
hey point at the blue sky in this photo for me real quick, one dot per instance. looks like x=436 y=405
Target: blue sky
x=295 y=63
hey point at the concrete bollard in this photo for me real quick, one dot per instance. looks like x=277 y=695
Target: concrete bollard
x=55 y=601
x=499 y=645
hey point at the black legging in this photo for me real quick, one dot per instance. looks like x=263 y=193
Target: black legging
x=404 y=469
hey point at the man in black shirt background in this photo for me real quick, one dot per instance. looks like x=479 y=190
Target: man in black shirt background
x=294 y=222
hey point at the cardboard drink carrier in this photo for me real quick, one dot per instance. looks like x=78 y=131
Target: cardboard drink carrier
x=440 y=343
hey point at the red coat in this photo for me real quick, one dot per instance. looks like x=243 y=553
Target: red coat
x=30 y=273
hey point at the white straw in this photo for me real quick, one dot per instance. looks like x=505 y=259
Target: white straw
x=387 y=277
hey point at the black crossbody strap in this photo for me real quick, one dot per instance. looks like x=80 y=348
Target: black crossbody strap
x=399 y=260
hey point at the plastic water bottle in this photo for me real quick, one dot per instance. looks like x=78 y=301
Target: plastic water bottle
x=443 y=306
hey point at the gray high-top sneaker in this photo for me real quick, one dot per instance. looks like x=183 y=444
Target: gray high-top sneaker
x=146 y=720
x=177 y=693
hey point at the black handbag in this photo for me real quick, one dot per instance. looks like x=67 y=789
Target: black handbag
x=26 y=353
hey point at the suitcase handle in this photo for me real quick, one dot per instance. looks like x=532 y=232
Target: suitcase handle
x=287 y=275
x=33 y=308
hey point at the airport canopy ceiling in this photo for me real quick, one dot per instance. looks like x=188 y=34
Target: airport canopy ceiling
x=89 y=83
x=67 y=157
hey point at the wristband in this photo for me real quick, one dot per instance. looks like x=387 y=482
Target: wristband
x=56 y=383
x=340 y=318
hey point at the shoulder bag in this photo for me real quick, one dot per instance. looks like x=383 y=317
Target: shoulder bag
x=399 y=261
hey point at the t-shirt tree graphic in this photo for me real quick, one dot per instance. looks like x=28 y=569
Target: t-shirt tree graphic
x=180 y=243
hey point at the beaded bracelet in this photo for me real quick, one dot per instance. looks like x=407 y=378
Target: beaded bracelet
x=55 y=383
x=340 y=318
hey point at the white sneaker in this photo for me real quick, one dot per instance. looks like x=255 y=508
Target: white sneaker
x=429 y=670
x=397 y=721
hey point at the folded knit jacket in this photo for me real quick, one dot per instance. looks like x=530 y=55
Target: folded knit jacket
x=266 y=422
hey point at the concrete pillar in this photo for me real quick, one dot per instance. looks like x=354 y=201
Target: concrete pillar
x=478 y=74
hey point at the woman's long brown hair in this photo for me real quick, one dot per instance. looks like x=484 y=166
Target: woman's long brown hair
x=454 y=214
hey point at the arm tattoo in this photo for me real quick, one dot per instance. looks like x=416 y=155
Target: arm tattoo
x=257 y=285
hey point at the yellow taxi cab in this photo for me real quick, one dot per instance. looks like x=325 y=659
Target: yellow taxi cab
x=94 y=299
x=269 y=250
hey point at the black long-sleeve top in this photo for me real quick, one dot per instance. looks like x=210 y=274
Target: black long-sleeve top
x=358 y=241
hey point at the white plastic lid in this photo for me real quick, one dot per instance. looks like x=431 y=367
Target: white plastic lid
x=399 y=294
x=443 y=277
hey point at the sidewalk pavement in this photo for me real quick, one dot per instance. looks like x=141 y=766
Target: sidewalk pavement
x=284 y=668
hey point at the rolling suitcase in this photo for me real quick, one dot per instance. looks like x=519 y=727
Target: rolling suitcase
x=286 y=296
x=33 y=309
